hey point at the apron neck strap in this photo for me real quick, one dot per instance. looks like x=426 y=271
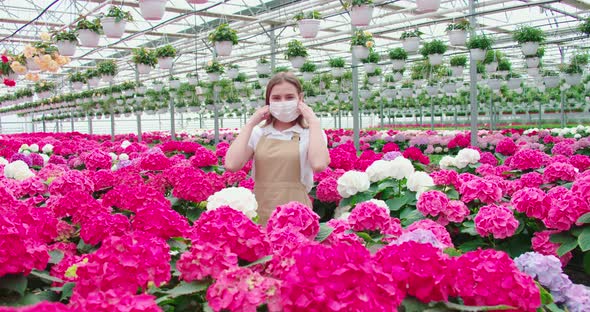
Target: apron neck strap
x=295 y=137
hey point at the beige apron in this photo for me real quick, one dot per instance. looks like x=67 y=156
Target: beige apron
x=277 y=175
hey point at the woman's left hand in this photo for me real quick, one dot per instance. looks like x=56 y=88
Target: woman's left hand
x=307 y=113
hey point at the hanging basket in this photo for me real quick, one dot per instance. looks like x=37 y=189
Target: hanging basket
x=93 y=82
x=477 y=54
x=174 y=84
x=213 y=77
x=457 y=37
x=532 y=62
x=494 y=83
x=263 y=81
x=529 y=48
x=263 y=69
x=297 y=61
x=107 y=78
x=77 y=85
x=514 y=83
x=411 y=44
x=337 y=72
x=112 y=28
x=533 y=71
x=67 y=48
x=361 y=15
x=143 y=69
x=551 y=81
x=309 y=28
x=424 y=6
x=491 y=67
x=88 y=38
x=232 y=73
x=360 y=52
x=307 y=76
x=370 y=67
x=397 y=76
x=223 y=48
x=435 y=59
x=406 y=92
x=573 y=79
x=165 y=62
x=457 y=71
x=431 y=90
x=152 y=10
x=398 y=64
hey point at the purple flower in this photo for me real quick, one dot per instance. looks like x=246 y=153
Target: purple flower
x=391 y=155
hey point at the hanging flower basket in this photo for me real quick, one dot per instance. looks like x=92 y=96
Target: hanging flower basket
x=398 y=64
x=360 y=52
x=88 y=38
x=306 y=76
x=361 y=15
x=174 y=84
x=491 y=67
x=165 y=62
x=213 y=77
x=435 y=59
x=431 y=90
x=297 y=61
x=152 y=10
x=551 y=81
x=77 y=85
x=533 y=71
x=232 y=73
x=411 y=44
x=337 y=72
x=397 y=76
x=457 y=37
x=112 y=28
x=263 y=69
x=107 y=78
x=424 y=6
x=406 y=92
x=223 y=48
x=514 y=83
x=67 y=48
x=457 y=71
x=263 y=81
x=532 y=62
x=529 y=48
x=477 y=54
x=573 y=79
x=370 y=67
x=93 y=82
x=143 y=69
x=309 y=28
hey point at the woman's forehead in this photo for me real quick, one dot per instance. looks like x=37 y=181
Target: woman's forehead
x=284 y=87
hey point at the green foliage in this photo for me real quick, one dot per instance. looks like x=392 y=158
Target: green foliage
x=433 y=47
x=77 y=77
x=95 y=25
x=362 y=38
x=584 y=27
x=166 y=51
x=70 y=35
x=350 y=3
x=42 y=86
x=241 y=77
x=295 y=48
x=214 y=67
x=411 y=33
x=263 y=60
x=398 y=54
x=144 y=56
x=528 y=34
x=107 y=68
x=224 y=33
x=480 y=42
x=504 y=64
x=491 y=56
x=377 y=72
x=281 y=69
x=461 y=25
x=373 y=57
x=459 y=60
x=308 y=67
x=337 y=62
x=308 y=15
x=119 y=14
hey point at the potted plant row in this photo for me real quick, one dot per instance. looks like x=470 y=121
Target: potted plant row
x=77 y=80
x=434 y=51
x=263 y=66
x=107 y=70
x=214 y=70
x=165 y=56
x=478 y=45
x=337 y=65
x=361 y=11
x=457 y=32
x=309 y=23
x=458 y=63
x=370 y=62
x=361 y=42
x=529 y=39
x=307 y=69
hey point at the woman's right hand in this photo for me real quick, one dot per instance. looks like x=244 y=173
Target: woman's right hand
x=261 y=114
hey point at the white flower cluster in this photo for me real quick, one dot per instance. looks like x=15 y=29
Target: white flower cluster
x=18 y=170
x=352 y=182
x=464 y=158
x=34 y=148
x=238 y=198
x=397 y=168
x=577 y=131
x=419 y=182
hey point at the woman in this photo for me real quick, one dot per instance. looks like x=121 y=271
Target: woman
x=287 y=149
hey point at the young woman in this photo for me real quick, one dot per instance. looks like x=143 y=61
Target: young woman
x=287 y=149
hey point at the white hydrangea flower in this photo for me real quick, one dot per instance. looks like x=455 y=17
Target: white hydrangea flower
x=123 y=157
x=419 y=182
x=18 y=170
x=3 y=161
x=238 y=198
x=401 y=168
x=113 y=156
x=125 y=144
x=352 y=182
x=470 y=155
x=34 y=148
x=446 y=162
x=23 y=147
x=379 y=203
x=378 y=170
x=45 y=158
x=47 y=148
x=438 y=149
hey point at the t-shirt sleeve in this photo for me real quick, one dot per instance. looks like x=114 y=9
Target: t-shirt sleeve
x=254 y=137
x=325 y=137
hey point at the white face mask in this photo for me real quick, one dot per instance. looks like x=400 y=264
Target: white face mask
x=286 y=111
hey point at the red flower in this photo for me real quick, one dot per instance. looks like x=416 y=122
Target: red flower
x=4 y=59
x=9 y=82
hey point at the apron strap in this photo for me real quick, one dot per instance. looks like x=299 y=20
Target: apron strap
x=295 y=137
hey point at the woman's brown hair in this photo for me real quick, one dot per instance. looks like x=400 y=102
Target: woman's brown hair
x=277 y=79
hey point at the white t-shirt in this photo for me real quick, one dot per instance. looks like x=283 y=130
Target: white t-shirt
x=272 y=133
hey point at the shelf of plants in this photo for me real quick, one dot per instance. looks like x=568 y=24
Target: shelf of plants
x=459 y=175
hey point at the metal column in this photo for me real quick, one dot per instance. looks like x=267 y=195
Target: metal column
x=112 y=119
x=215 y=114
x=562 y=92
x=89 y=124
x=138 y=114
x=171 y=103
x=355 y=99
x=473 y=79
x=273 y=49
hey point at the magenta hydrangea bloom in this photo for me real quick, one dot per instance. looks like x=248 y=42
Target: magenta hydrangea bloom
x=327 y=190
x=342 y=233
x=542 y=244
x=432 y=203
x=437 y=229
x=565 y=208
x=485 y=190
x=204 y=158
x=527 y=159
x=456 y=212
x=205 y=260
x=531 y=201
x=498 y=221
x=559 y=171
x=506 y=147
x=97 y=159
x=445 y=177
x=43 y=306
x=297 y=216
x=72 y=180
x=113 y=301
x=368 y=216
x=531 y=179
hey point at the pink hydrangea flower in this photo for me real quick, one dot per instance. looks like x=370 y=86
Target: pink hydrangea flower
x=297 y=216
x=582 y=162
x=327 y=190
x=342 y=233
x=72 y=180
x=527 y=159
x=445 y=177
x=499 y=221
x=542 y=244
x=565 y=208
x=486 y=191
x=558 y=171
x=488 y=158
x=113 y=301
x=438 y=230
x=97 y=159
x=456 y=212
x=564 y=148
x=531 y=179
x=205 y=260
x=43 y=306
x=531 y=201
x=204 y=158
x=368 y=216
x=432 y=203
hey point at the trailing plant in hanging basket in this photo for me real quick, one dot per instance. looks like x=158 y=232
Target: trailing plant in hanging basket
x=350 y=3
x=459 y=60
x=315 y=15
x=263 y=60
x=94 y=26
x=337 y=62
x=377 y=72
x=144 y=56
x=166 y=51
x=373 y=57
x=281 y=69
x=362 y=38
x=44 y=86
x=528 y=34
x=584 y=27
x=91 y=73
x=433 y=47
x=491 y=56
x=224 y=33
x=460 y=25
x=294 y=49
x=411 y=33
x=107 y=68
x=482 y=42
x=308 y=67
x=398 y=54
x=504 y=64
x=77 y=77
x=242 y=77
x=214 y=67
x=65 y=36
x=118 y=14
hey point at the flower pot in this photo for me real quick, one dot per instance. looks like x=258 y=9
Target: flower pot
x=361 y=15
x=93 y=82
x=213 y=77
x=491 y=67
x=88 y=38
x=232 y=73
x=494 y=83
x=308 y=76
x=77 y=85
x=532 y=71
x=435 y=59
x=143 y=69
x=112 y=28
x=309 y=28
x=431 y=90
x=152 y=10
x=107 y=78
x=529 y=48
x=397 y=76
x=43 y=94
x=360 y=52
x=406 y=92
x=398 y=64
x=174 y=84
x=223 y=48
x=532 y=62
x=551 y=81
x=424 y=6
x=263 y=69
x=419 y=83
x=196 y=1
x=457 y=71
x=239 y=84
x=192 y=81
x=194 y=109
x=514 y=83
x=370 y=67
x=411 y=44
x=297 y=61
x=449 y=88
x=457 y=37
x=157 y=87
x=337 y=71
x=32 y=67
x=263 y=81
x=165 y=62
x=477 y=54
x=573 y=79
x=67 y=48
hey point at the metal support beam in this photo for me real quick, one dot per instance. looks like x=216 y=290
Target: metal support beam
x=473 y=80
x=89 y=124
x=562 y=92
x=273 y=49
x=112 y=118
x=216 y=114
x=171 y=107
x=355 y=99
x=138 y=114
